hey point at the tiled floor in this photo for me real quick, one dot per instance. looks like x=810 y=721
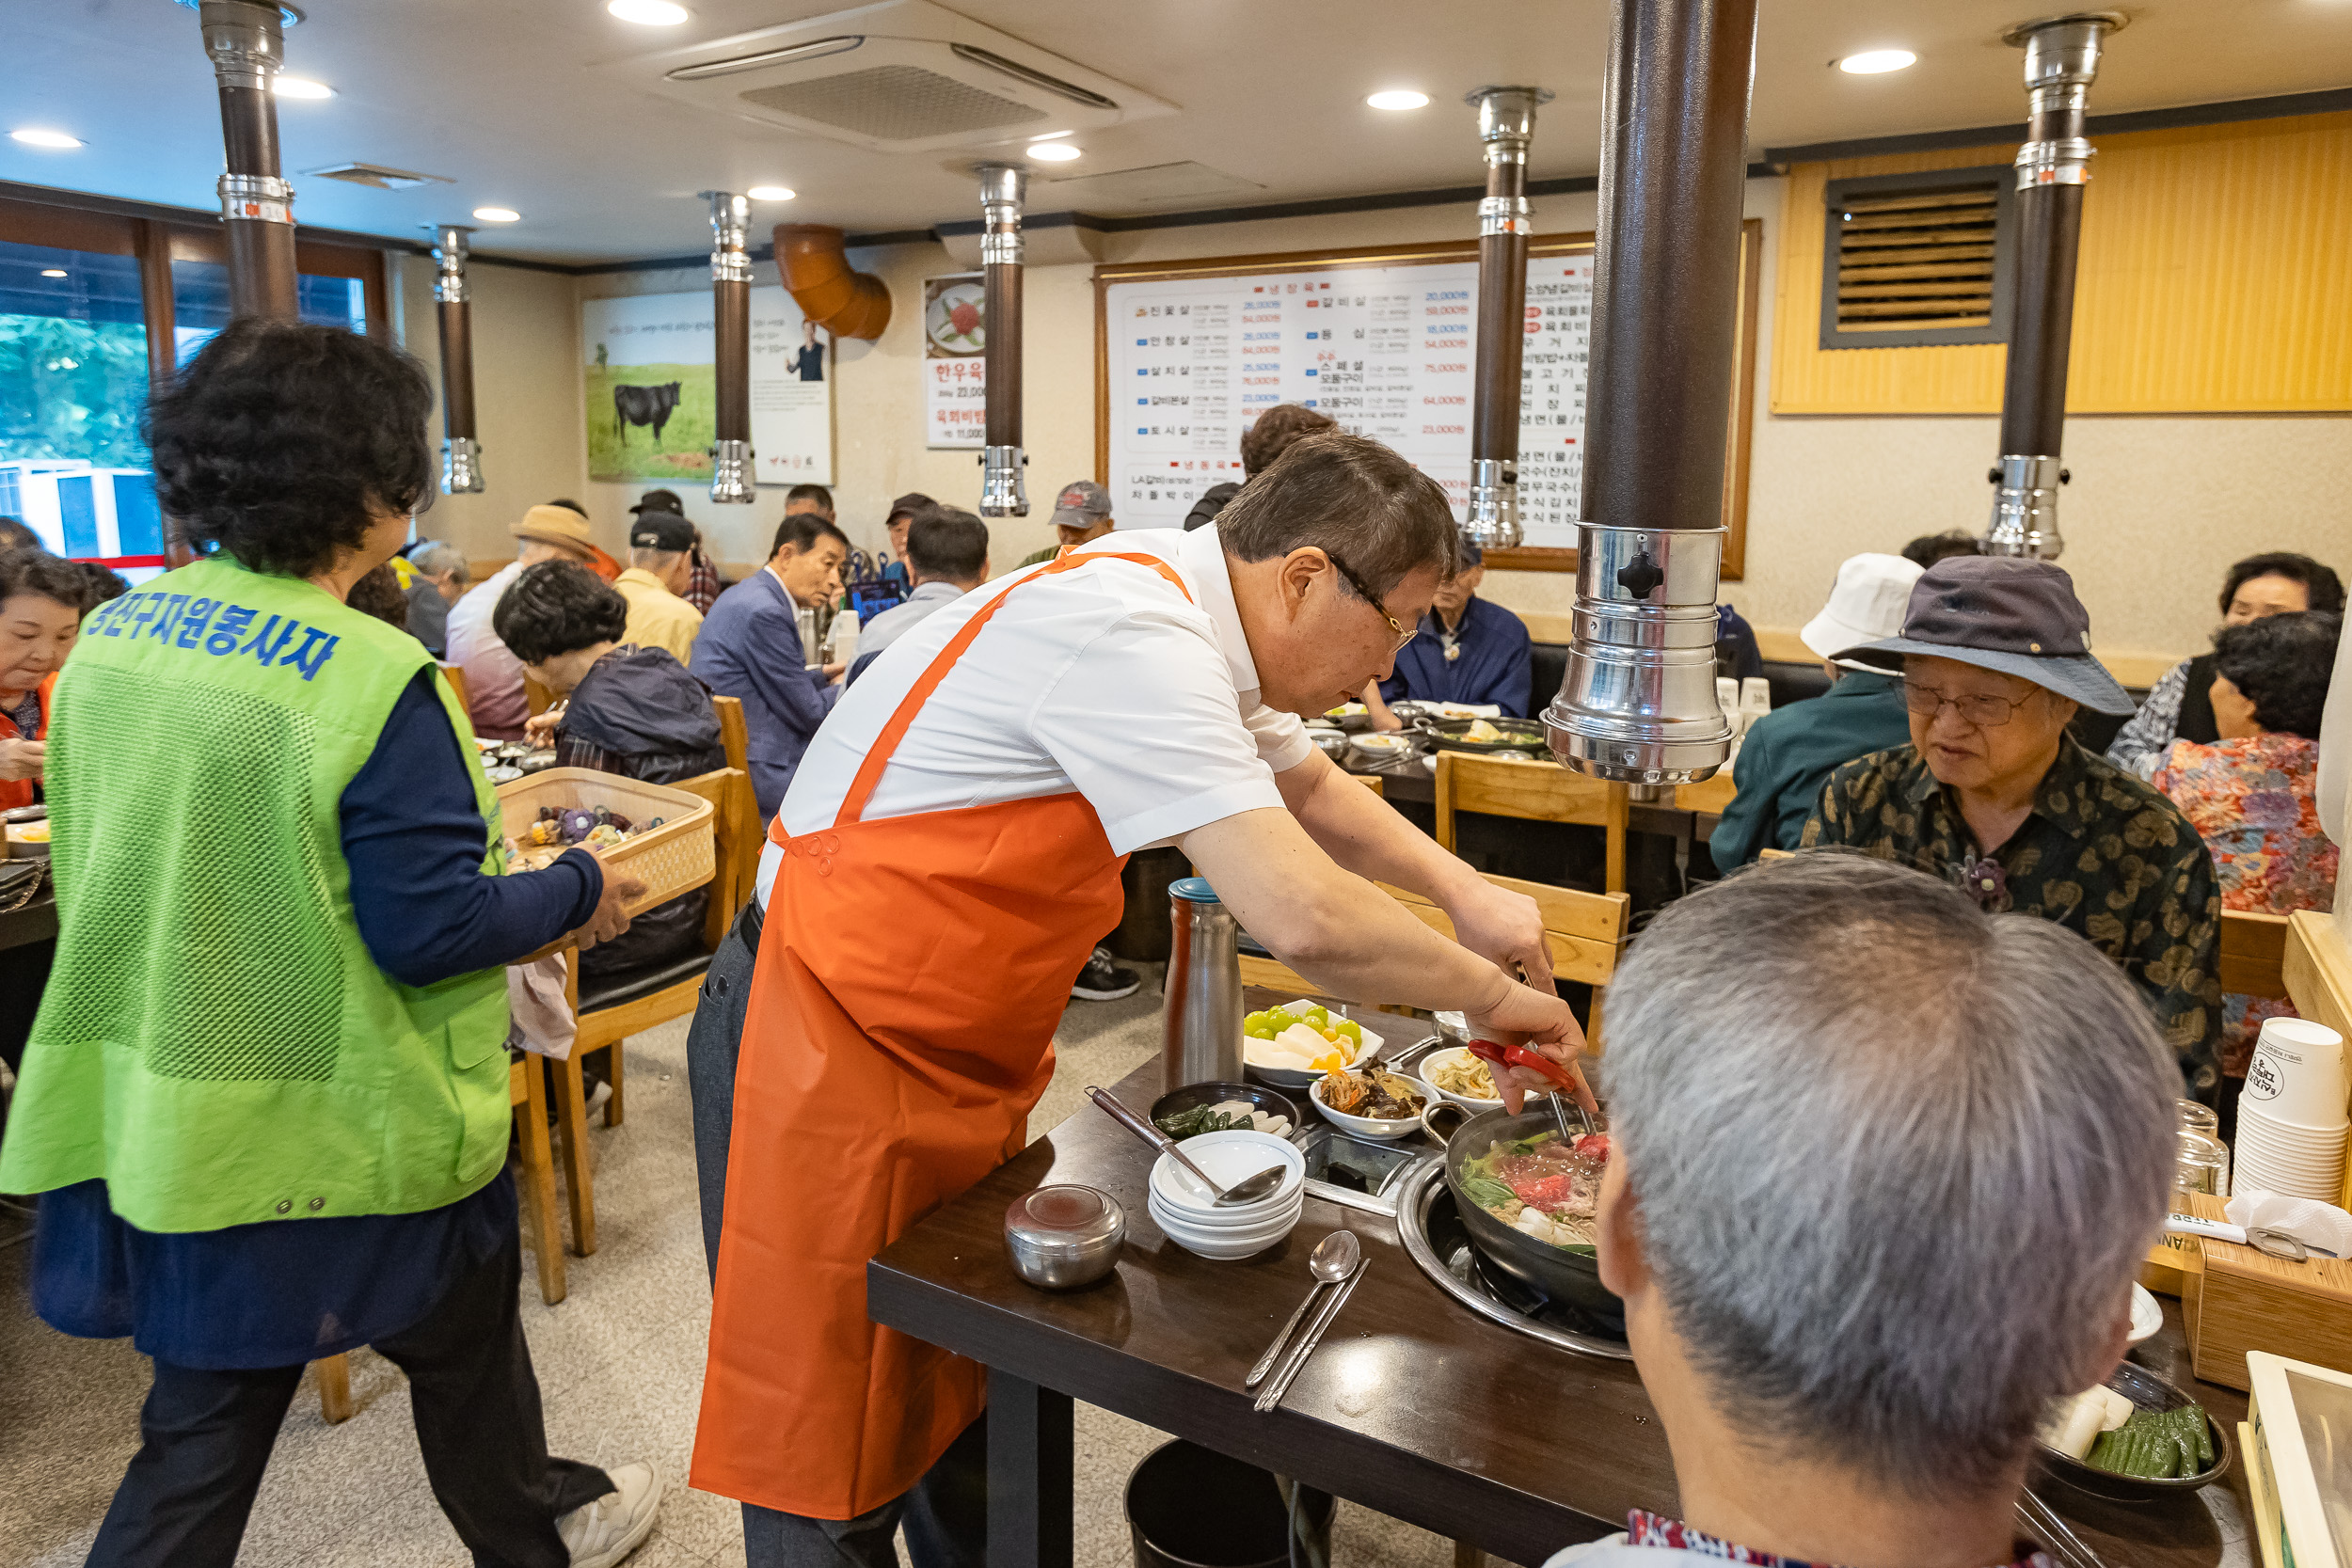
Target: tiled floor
x=620 y=1365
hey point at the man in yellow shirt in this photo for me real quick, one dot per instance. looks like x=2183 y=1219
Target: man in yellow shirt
x=660 y=564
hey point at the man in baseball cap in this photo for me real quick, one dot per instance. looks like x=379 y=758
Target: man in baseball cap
x=1081 y=511
x=661 y=566
x=1994 y=794
x=902 y=513
x=1787 y=755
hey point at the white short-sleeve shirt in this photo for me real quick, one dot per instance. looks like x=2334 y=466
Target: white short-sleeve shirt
x=1103 y=679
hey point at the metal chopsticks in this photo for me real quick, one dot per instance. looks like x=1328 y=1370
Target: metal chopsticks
x=1271 y=1395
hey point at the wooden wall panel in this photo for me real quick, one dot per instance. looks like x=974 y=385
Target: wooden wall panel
x=2215 y=277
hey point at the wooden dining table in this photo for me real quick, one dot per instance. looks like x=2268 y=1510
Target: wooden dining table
x=1413 y=1405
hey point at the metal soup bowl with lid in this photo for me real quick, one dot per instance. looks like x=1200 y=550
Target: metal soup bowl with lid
x=1062 y=1237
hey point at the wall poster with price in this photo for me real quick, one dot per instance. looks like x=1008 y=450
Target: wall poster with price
x=955 y=383
x=1382 y=339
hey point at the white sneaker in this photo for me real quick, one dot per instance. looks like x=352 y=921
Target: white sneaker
x=602 y=1532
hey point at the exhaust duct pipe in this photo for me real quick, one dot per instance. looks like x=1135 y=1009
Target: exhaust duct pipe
x=247 y=47
x=731 y=347
x=461 y=453
x=1638 y=704
x=817 y=274
x=1003 y=188
x=2053 y=166
x=1506 y=121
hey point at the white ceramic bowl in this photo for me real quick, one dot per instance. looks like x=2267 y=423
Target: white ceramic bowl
x=1377 y=746
x=1225 y=1245
x=1457 y=1053
x=1226 y=1158
x=1247 y=1217
x=1223 y=1227
x=1377 y=1127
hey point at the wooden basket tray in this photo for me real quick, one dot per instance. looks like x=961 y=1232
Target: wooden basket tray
x=677 y=856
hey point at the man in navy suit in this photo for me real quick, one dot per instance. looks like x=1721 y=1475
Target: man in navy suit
x=750 y=649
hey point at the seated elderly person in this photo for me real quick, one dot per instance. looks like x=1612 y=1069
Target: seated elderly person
x=2180 y=706
x=1993 y=796
x=1865 y=1234
x=2251 y=794
x=946 y=551
x=494 y=679
x=441 y=576
x=1465 y=650
x=1787 y=754
x=632 y=711
x=660 y=570
x=42 y=601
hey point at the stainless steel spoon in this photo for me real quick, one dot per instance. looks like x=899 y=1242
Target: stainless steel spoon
x=1332 y=1262
x=1248 y=1190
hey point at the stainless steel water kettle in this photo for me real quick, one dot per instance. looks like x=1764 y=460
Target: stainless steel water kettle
x=1201 y=1026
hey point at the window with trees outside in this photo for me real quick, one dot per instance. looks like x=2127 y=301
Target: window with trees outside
x=95 y=310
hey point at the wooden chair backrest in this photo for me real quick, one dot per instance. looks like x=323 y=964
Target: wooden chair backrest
x=732 y=733
x=1376 y=784
x=455 y=676
x=1533 y=792
x=2254 y=953
x=1585 y=931
x=537 y=699
x=736 y=845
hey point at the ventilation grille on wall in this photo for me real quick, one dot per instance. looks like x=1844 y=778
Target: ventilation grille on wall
x=894 y=102
x=1916 y=256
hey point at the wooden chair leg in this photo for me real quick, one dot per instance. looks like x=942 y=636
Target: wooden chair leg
x=571 y=1117
x=612 y=1106
x=1592 y=1026
x=334 y=1388
x=1467 y=1556
x=1620 y=814
x=547 y=1234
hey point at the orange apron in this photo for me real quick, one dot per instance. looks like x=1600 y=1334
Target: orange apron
x=900 y=1027
x=18 y=792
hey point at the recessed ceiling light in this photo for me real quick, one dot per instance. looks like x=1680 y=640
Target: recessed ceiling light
x=1052 y=136
x=498 y=215
x=1053 y=151
x=302 y=87
x=35 y=136
x=1400 y=97
x=647 y=13
x=53 y=271
x=1875 y=62
x=771 y=192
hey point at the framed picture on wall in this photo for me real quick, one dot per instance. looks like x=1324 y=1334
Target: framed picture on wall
x=652 y=403
x=955 y=378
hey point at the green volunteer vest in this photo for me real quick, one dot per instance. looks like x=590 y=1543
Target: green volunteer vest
x=214 y=1041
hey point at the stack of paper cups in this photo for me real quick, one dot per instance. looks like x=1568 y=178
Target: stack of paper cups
x=2291 y=1121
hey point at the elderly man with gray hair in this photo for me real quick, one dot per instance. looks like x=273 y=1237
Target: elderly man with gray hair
x=1865 y=1233
x=441 y=578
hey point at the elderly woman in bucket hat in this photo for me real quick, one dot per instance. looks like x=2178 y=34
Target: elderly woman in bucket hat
x=1994 y=794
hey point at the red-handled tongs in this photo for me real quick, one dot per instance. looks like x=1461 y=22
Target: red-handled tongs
x=1500 y=1053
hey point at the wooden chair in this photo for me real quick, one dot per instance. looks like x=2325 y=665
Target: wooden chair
x=608 y=1019
x=2254 y=953
x=1533 y=792
x=1585 y=931
x=455 y=676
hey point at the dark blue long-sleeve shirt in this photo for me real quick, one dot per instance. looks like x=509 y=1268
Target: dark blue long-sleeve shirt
x=1494 y=662
x=286 y=1291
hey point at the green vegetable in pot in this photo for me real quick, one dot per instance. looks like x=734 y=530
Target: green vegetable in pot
x=2157 y=1445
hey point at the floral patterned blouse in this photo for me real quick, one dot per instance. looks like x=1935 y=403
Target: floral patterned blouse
x=2250 y=800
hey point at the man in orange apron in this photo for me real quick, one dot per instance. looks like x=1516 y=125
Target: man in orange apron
x=942 y=866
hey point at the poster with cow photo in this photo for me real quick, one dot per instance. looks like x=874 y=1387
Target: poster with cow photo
x=651 y=404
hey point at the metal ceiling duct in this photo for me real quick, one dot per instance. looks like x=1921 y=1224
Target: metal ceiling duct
x=247 y=49
x=1638 y=704
x=2053 y=166
x=817 y=274
x=1506 y=121
x=731 y=347
x=1003 y=188
x=461 y=453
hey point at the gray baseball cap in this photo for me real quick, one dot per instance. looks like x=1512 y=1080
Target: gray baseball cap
x=2001 y=612
x=1082 y=503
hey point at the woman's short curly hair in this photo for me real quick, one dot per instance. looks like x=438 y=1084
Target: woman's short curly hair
x=39 y=573
x=556 y=608
x=280 y=441
x=2281 y=664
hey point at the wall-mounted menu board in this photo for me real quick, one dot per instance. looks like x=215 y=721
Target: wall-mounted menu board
x=1383 y=340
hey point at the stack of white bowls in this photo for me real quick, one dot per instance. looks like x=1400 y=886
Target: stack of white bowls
x=2291 y=1121
x=1189 y=1216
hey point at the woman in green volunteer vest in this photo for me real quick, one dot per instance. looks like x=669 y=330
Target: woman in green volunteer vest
x=265 y=1098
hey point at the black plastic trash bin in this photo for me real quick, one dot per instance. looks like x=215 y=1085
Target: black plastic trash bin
x=1189 y=1507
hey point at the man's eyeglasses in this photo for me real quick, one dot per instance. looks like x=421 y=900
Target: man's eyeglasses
x=1982 y=709
x=1404 y=634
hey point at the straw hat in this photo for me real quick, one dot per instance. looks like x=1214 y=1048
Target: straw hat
x=555 y=525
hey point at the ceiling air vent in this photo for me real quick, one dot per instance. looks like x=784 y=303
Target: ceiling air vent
x=1912 y=259
x=382 y=177
x=894 y=102
x=898 y=76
